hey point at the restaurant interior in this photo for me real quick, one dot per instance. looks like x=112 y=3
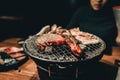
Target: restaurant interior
x=19 y=20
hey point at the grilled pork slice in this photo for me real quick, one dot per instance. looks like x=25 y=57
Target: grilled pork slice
x=75 y=48
x=70 y=41
x=46 y=40
x=84 y=37
x=87 y=40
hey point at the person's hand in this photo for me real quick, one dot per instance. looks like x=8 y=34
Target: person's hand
x=14 y=52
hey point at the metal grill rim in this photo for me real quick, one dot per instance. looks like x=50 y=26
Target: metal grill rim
x=89 y=52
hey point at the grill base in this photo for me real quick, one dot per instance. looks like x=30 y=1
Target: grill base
x=59 y=63
x=91 y=71
x=55 y=76
x=51 y=71
x=58 y=74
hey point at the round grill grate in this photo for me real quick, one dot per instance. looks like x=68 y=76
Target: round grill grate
x=62 y=53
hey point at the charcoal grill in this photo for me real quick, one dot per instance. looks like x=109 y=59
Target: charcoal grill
x=62 y=53
x=59 y=58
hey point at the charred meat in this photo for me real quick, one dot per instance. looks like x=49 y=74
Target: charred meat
x=84 y=37
x=70 y=41
x=73 y=38
x=46 y=40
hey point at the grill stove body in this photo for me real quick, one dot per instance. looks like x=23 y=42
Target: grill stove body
x=61 y=63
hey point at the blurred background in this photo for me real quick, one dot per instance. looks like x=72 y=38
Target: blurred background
x=23 y=18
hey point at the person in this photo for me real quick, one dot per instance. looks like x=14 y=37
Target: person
x=97 y=17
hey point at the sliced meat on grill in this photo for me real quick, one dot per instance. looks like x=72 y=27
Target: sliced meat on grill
x=87 y=40
x=75 y=48
x=53 y=28
x=77 y=32
x=45 y=40
x=84 y=37
x=61 y=30
x=60 y=36
x=70 y=41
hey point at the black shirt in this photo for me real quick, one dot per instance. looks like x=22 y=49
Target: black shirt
x=101 y=23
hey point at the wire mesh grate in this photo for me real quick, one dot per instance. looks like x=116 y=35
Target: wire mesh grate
x=62 y=53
